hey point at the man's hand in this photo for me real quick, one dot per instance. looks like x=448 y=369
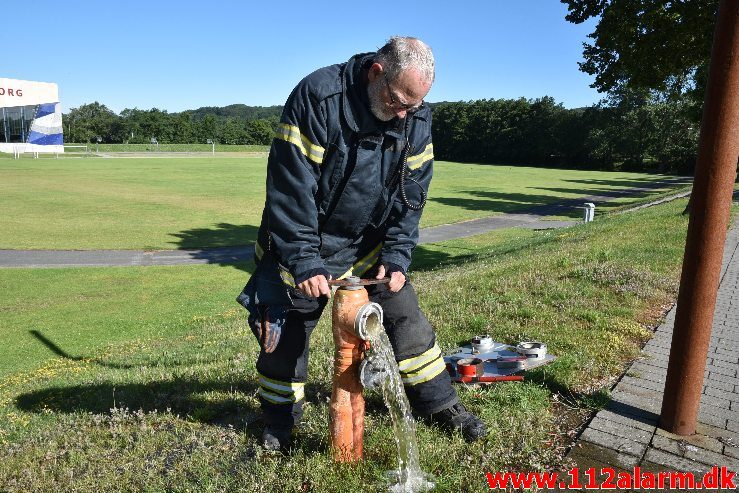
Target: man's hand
x=315 y=286
x=397 y=279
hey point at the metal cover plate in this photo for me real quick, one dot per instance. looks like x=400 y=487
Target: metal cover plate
x=489 y=359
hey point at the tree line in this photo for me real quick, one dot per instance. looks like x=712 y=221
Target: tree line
x=236 y=124
x=632 y=130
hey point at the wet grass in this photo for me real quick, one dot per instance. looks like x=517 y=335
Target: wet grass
x=177 y=410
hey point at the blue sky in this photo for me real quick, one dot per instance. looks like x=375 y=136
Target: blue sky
x=187 y=54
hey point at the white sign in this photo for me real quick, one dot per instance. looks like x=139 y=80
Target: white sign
x=15 y=92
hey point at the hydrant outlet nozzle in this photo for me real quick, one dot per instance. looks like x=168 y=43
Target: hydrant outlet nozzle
x=368 y=321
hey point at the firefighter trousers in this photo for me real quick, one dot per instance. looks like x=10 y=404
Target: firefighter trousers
x=283 y=371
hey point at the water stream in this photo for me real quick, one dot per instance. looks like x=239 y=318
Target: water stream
x=408 y=477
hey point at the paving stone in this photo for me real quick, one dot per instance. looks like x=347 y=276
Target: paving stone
x=612 y=442
x=720 y=389
x=732 y=425
x=637 y=391
x=699 y=440
x=725 y=340
x=712 y=420
x=731 y=451
x=716 y=377
x=648 y=368
x=637 y=405
x=657 y=363
x=725 y=358
x=683 y=448
x=727 y=372
x=722 y=434
x=707 y=408
x=664 y=343
x=640 y=422
x=723 y=386
x=710 y=397
x=674 y=462
x=652 y=377
x=648 y=384
x=621 y=430
x=589 y=454
x=723 y=364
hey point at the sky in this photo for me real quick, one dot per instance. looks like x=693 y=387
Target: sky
x=179 y=55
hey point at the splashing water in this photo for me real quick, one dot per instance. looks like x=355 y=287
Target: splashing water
x=408 y=478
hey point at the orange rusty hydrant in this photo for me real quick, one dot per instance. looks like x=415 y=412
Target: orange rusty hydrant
x=351 y=311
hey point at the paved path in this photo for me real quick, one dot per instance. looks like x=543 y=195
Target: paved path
x=625 y=433
x=535 y=218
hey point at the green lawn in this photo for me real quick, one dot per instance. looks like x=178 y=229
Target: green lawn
x=171 y=202
x=156 y=391
x=77 y=312
x=112 y=148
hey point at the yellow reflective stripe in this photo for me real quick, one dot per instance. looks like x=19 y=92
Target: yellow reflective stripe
x=415 y=162
x=278 y=399
x=363 y=265
x=279 y=386
x=258 y=251
x=291 y=133
x=425 y=374
x=411 y=364
x=286 y=277
x=368 y=261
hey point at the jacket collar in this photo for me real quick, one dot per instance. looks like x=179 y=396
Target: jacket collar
x=355 y=100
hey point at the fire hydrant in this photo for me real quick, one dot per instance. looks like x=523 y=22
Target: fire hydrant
x=353 y=315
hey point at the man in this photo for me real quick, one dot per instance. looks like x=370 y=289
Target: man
x=347 y=178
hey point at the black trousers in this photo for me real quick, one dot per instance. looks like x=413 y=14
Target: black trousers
x=283 y=371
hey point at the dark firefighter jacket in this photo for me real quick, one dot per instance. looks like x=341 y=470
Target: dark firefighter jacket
x=333 y=198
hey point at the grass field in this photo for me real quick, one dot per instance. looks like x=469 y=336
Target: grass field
x=171 y=203
x=165 y=148
x=142 y=379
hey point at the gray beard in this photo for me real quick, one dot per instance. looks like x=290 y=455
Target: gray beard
x=377 y=107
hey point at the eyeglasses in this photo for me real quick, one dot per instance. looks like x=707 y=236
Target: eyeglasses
x=394 y=103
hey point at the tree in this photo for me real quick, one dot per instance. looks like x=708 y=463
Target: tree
x=90 y=121
x=183 y=131
x=207 y=128
x=261 y=131
x=231 y=132
x=648 y=44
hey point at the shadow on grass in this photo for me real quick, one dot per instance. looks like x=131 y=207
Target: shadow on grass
x=545 y=205
x=225 y=244
x=222 y=235
x=182 y=396
x=638 y=182
x=51 y=346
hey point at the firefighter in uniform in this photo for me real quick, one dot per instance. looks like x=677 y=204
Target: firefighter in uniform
x=347 y=177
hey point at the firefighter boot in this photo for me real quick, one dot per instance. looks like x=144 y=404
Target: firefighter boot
x=276 y=439
x=456 y=417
